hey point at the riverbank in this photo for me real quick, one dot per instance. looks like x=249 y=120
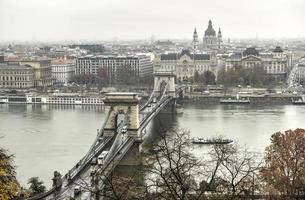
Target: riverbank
x=275 y=99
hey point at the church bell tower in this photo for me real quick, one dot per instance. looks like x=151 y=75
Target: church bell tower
x=195 y=40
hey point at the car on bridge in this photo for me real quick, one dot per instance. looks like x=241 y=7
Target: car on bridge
x=101 y=157
x=77 y=190
x=124 y=129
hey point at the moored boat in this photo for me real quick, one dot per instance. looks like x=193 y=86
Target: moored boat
x=236 y=100
x=211 y=141
x=300 y=101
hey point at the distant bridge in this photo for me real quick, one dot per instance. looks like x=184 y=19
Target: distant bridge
x=123 y=127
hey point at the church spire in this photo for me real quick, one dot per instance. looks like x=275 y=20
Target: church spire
x=210 y=24
x=195 y=40
x=219 y=33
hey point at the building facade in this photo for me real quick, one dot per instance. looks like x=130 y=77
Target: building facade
x=275 y=62
x=211 y=41
x=184 y=64
x=42 y=71
x=16 y=76
x=300 y=71
x=116 y=68
x=63 y=71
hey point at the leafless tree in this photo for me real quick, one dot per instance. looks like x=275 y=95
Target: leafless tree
x=235 y=168
x=172 y=169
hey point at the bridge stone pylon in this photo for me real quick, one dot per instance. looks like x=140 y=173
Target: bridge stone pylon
x=118 y=105
x=161 y=79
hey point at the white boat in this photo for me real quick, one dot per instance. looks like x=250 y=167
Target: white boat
x=53 y=100
x=300 y=101
x=237 y=100
x=211 y=141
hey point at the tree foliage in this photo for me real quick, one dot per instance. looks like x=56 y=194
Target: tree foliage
x=123 y=188
x=228 y=78
x=285 y=162
x=255 y=76
x=207 y=77
x=36 y=186
x=9 y=185
x=87 y=79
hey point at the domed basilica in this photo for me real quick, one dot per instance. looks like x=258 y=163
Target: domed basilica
x=211 y=41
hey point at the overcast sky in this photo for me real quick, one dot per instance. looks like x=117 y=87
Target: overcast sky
x=140 y=19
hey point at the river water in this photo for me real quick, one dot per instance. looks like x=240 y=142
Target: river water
x=45 y=138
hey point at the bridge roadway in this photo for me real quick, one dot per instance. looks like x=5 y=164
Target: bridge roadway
x=79 y=175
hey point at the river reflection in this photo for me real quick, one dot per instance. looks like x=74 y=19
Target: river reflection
x=46 y=138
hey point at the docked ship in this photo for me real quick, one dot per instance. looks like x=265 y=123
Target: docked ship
x=236 y=100
x=211 y=141
x=55 y=99
x=3 y=100
x=299 y=101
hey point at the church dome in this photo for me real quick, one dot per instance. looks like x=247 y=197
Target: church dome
x=210 y=30
x=278 y=49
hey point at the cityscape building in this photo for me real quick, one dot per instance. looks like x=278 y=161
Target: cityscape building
x=275 y=62
x=63 y=70
x=115 y=67
x=16 y=76
x=184 y=64
x=42 y=71
x=211 y=41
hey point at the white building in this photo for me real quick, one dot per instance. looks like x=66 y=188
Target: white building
x=300 y=71
x=42 y=70
x=63 y=70
x=116 y=67
x=275 y=62
x=16 y=76
x=185 y=64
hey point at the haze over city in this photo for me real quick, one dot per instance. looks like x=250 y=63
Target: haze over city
x=152 y=100
x=45 y=20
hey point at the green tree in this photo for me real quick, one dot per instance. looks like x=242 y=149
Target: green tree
x=253 y=76
x=196 y=77
x=36 y=186
x=9 y=185
x=228 y=78
x=209 y=78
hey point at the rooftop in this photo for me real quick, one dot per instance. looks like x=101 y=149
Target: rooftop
x=62 y=62
x=10 y=66
x=250 y=51
x=210 y=30
x=278 y=49
x=176 y=56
